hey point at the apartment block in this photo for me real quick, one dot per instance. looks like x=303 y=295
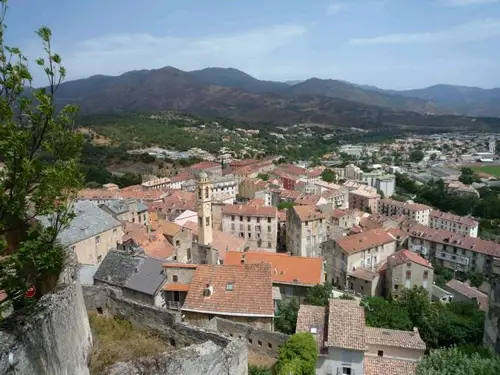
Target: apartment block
x=464 y=225
x=363 y=200
x=418 y=212
x=258 y=225
x=454 y=251
x=307 y=228
x=367 y=250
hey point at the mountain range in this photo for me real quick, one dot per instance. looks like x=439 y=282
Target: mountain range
x=232 y=93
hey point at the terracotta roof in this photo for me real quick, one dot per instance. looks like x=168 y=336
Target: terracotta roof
x=465 y=220
x=256 y=202
x=250 y=294
x=397 y=233
x=453 y=239
x=410 y=206
x=285 y=268
x=470 y=292
x=98 y=194
x=168 y=228
x=176 y=287
x=405 y=256
x=395 y=338
x=363 y=274
x=221 y=241
x=147 y=195
x=308 y=199
x=363 y=241
x=388 y=366
x=307 y=213
x=312 y=319
x=179 y=265
x=346 y=325
x=205 y=165
x=155 y=245
x=250 y=210
x=290 y=194
x=282 y=215
x=292 y=169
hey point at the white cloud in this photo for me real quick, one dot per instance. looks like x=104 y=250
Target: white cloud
x=335 y=8
x=467 y=32
x=462 y=3
x=119 y=53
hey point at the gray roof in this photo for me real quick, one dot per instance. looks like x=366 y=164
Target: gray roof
x=89 y=221
x=141 y=207
x=121 y=206
x=125 y=270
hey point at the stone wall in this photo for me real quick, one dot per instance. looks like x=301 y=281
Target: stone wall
x=232 y=354
x=259 y=341
x=54 y=338
x=206 y=359
x=491 y=337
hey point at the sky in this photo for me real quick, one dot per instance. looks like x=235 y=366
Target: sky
x=392 y=44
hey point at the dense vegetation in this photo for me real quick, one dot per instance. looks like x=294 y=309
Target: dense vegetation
x=440 y=325
x=297 y=355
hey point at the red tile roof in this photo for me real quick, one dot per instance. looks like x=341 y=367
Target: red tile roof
x=346 y=325
x=450 y=238
x=470 y=292
x=176 y=287
x=237 y=290
x=394 y=338
x=364 y=241
x=205 y=165
x=250 y=210
x=312 y=319
x=361 y=273
x=307 y=213
x=389 y=366
x=465 y=220
x=286 y=269
x=405 y=256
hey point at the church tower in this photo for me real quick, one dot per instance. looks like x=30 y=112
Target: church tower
x=204 y=208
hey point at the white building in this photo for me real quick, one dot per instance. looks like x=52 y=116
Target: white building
x=463 y=225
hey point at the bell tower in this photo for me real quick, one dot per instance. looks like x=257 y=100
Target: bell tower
x=204 y=209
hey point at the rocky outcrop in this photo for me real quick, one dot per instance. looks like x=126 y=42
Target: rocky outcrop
x=54 y=338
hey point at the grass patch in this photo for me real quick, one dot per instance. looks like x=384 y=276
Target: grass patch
x=117 y=340
x=493 y=170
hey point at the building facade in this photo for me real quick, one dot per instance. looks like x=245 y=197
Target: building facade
x=466 y=226
x=307 y=228
x=418 y=212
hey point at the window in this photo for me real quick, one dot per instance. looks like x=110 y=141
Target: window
x=269 y=345
x=189 y=254
x=347 y=371
x=207 y=221
x=241 y=218
x=232 y=218
x=206 y=192
x=248 y=219
x=269 y=244
x=200 y=194
x=408 y=264
x=249 y=235
x=97 y=240
x=175 y=278
x=200 y=219
x=408 y=275
x=426 y=275
x=258 y=220
x=268 y=219
x=269 y=229
x=133 y=220
x=229 y=286
x=259 y=342
x=114 y=233
x=144 y=217
x=380 y=353
x=242 y=234
x=249 y=227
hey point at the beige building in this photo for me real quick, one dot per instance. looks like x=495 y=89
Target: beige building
x=307 y=228
x=463 y=225
x=347 y=346
x=131 y=210
x=406 y=269
x=364 y=200
x=353 y=172
x=180 y=238
x=91 y=234
x=249 y=187
x=367 y=250
x=453 y=251
x=258 y=225
x=178 y=278
x=204 y=209
x=418 y=212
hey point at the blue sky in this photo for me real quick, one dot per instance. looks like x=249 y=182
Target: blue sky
x=395 y=44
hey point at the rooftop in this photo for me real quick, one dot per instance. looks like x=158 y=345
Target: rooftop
x=466 y=220
x=346 y=325
x=307 y=213
x=250 y=210
x=396 y=338
x=363 y=241
x=389 y=366
x=405 y=256
x=236 y=290
x=312 y=319
x=89 y=221
x=470 y=292
x=285 y=268
x=410 y=206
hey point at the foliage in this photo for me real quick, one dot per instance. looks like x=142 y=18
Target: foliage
x=452 y=361
x=475 y=278
x=442 y=275
x=468 y=176
x=259 y=370
x=347 y=296
x=40 y=151
x=328 y=175
x=440 y=325
x=263 y=177
x=416 y=156
x=119 y=341
x=285 y=204
x=286 y=320
x=298 y=355
x=319 y=295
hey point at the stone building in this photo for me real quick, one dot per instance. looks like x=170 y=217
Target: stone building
x=463 y=225
x=131 y=210
x=178 y=278
x=492 y=320
x=241 y=293
x=347 y=346
x=258 y=225
x=306 y=230
x=418 y=212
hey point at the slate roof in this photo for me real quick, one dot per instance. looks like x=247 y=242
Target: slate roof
x=251 y=292
x=138 y=273
x=89 y=221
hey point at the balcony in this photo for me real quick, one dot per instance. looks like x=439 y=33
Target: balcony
x=420 y=249
x=452 y=258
